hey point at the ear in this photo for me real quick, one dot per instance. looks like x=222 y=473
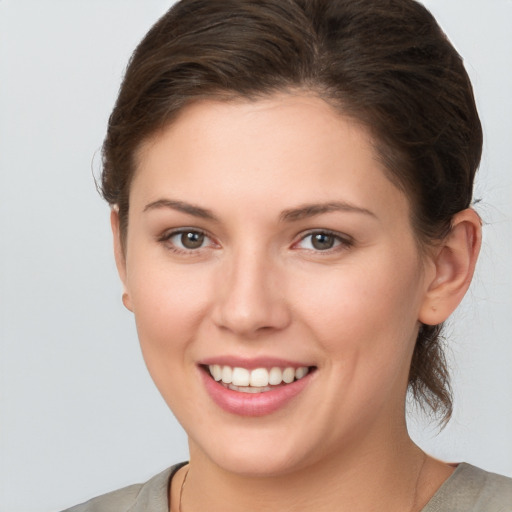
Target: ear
x=120 y=256
x=454 y=261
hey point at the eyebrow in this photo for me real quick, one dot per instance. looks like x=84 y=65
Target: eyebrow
x=310 y=210
x=181 y=206
x=290 y=215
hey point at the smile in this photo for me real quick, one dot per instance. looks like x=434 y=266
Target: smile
x=257 y=388
x=257 y=380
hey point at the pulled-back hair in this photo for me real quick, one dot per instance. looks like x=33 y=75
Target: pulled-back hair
x=384 y=63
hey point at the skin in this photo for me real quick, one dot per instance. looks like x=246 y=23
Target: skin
x=258 y=287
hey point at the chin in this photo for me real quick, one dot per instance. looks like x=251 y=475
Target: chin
x=263 y=455
x=261 y=464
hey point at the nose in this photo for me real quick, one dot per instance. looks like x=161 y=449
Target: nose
x=250 y=298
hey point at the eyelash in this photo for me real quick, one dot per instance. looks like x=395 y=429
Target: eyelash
x=166 y=237
x=341 y=242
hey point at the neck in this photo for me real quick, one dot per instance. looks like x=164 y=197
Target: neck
x=354 y=481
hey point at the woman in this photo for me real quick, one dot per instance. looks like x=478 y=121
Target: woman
x=290 y=184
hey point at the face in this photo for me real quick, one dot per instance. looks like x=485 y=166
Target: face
x=266 y=247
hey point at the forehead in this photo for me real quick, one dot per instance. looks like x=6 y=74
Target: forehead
x=286 y=148
x=275 y=123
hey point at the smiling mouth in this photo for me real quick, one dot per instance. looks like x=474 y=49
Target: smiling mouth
x=257 y=380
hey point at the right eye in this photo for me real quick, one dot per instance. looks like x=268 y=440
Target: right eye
x=186 y=240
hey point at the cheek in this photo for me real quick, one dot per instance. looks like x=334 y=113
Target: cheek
x=367 y=339
x=168 y=306
x=372 y=308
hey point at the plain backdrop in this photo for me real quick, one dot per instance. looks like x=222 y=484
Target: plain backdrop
x=79 y=414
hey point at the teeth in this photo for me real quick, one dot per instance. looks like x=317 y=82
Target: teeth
x=289 y=375
x=227 y=374
x=249 y=389
x=301 y=372
x=240 y=377
x=257 y=380
x=275 y=376
x=259 y=377
x=216 y=372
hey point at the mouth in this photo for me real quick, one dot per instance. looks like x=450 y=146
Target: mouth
x=255 y=386
x=256 y=380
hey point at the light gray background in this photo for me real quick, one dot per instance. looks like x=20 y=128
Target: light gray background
x=79 y=414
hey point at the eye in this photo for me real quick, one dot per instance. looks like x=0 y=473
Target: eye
x=186 y=240
x=322 y=241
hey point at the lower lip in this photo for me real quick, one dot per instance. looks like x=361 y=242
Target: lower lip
x=253 y=404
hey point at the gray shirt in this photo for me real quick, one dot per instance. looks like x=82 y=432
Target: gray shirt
x=469 y=489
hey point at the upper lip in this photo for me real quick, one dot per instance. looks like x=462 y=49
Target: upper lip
x=252 y=363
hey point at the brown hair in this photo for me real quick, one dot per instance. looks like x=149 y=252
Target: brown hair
x=385 y=63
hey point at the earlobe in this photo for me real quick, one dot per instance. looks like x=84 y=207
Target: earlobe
x=454 y=261
x=120 y=256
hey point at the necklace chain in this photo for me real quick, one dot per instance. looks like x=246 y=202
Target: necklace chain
x=181 y=488
x=415 y=497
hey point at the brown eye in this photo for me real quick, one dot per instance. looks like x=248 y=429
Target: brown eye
x=185 y=240
x=192 y=239
x=323 y=241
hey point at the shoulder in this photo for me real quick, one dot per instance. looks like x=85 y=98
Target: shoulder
x=471 y=489
x=152 y=495
x=122 y=499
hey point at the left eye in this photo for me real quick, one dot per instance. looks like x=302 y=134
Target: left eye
x=320 y=241
x=188 y=240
